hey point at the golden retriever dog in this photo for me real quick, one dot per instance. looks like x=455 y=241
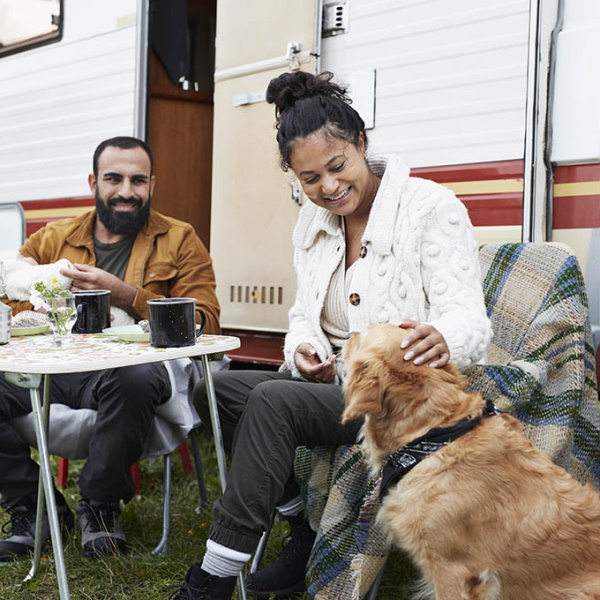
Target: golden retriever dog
x=486 y=516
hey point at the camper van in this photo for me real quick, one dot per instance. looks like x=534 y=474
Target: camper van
x=497 y=100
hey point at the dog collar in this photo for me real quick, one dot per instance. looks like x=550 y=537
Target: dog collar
x=397 y=465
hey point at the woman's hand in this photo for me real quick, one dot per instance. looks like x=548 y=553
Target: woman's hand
x=427 y=345
x=311 y=367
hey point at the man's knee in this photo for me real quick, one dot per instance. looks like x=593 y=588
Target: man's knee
x=137 y=384
x=201 y=396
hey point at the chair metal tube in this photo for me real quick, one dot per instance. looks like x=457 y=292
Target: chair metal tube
x=220 y=450
x=163 y=544
x=59 y=557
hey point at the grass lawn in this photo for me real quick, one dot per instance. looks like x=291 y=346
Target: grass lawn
x=141 y=576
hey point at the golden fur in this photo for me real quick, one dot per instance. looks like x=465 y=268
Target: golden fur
x=487 y=517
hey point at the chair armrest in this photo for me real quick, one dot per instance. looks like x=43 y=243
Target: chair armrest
x=512 y=387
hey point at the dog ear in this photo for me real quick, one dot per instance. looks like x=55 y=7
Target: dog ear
x=363 y=391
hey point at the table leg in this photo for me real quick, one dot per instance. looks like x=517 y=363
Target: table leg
x=41 y=498
x=220 y=450
x=48 y=488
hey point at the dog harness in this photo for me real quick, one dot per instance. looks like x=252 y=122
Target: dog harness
x=397 y=465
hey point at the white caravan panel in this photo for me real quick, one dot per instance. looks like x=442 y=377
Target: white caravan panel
x=58 y=101
x=450 y=76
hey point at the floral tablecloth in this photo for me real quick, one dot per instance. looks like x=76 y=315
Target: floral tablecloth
x=93 y=352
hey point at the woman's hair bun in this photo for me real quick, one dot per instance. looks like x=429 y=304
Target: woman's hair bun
x=286 y=89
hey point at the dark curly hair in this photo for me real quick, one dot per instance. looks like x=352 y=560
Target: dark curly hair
x=123 y=142
x=305 y=103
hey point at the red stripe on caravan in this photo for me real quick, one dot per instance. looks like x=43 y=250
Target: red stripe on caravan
x=576 y=212
x=485 y=210
x=573 y=173
x=494 y=210
x=58 y=203
x=507 y=169
x=38 y=213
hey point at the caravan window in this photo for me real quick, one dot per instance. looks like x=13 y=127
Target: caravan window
x=28 y=23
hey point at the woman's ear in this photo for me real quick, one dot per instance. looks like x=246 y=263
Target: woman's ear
x=361 y=144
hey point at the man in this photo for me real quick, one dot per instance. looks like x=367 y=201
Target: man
x=138 y=254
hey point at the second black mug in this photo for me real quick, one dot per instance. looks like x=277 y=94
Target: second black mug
x=173 y=322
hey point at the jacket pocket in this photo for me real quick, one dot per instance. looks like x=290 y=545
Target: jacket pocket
x=158 y=277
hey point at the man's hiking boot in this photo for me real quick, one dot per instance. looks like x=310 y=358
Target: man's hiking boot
x=101 y=533
x=20 y=529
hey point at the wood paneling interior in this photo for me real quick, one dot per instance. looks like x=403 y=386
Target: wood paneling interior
x=180 y=134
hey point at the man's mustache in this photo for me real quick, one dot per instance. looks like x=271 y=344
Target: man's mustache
x=120 y=200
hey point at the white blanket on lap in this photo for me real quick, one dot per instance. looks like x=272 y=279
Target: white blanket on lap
x=20 y=275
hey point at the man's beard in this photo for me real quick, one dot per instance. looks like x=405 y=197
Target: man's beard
x=122 y=222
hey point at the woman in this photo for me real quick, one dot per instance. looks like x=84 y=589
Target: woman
x=372 y=245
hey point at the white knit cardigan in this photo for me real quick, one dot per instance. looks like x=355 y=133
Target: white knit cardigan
x=421 y=263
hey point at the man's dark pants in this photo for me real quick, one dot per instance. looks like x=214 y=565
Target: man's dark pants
x=125 y=398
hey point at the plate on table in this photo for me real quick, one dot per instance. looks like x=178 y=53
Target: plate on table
x=21 y=331
x=128 y=333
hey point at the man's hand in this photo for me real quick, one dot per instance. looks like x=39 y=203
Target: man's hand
x=311 y=367
x=86 y=277
x=427 y=345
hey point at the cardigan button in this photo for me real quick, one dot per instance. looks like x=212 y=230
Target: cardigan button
x=354 y=299
x=363 y=251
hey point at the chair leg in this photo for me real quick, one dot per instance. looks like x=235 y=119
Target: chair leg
x=199 y=471
x=184 y=452
x=63 y=472
x=135 y=475
x=260 y=549
x=162 y=546
x=372 y=594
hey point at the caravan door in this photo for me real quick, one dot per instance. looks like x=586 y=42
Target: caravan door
x=253 y=202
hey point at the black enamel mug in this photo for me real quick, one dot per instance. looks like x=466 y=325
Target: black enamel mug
x=173 y=322
x=93 y=311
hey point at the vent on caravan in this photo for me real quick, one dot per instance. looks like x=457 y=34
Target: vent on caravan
x=335 y=19
x=254 y=294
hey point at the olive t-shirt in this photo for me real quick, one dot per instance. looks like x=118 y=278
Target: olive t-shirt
x=114 y=258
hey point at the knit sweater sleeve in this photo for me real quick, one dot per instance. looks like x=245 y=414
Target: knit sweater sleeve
x=300 y=329
x=452 y=280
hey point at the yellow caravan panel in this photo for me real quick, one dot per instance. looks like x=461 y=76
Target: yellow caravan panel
x=253 y=211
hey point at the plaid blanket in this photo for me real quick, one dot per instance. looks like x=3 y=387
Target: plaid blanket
x=541 y=368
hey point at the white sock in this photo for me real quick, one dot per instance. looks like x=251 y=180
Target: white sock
x=223 y=561
x=292 y=508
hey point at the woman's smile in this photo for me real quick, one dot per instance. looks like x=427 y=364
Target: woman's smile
x=340 y=197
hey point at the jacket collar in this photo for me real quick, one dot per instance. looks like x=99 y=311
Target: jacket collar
x=314 y=219
x=83 y=234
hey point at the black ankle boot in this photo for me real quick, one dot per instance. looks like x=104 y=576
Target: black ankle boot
x=286 y=576
x=200 y=585
x=21 y=527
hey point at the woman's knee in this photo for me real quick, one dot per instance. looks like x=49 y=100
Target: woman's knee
x=275 y=396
